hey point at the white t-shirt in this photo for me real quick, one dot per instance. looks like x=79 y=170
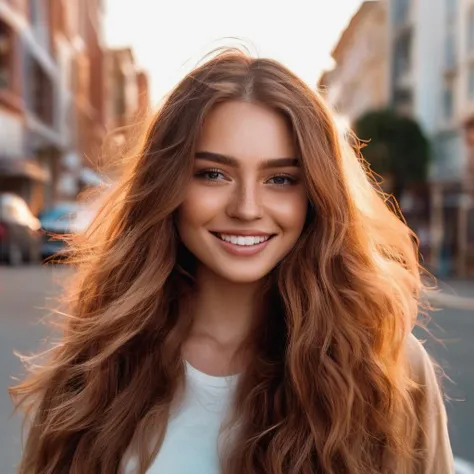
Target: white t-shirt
x=191 y=444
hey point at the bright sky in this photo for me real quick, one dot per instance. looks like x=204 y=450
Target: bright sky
x=169 y=37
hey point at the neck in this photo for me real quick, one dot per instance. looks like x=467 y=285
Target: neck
x=223 y=310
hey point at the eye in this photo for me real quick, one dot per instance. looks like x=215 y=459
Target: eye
x=211 y=175
x=282 y=180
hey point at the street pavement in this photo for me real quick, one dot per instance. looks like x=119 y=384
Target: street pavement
x=24 y=293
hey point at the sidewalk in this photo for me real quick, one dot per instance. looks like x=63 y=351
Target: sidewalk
x=463 y=467
x=457 y=294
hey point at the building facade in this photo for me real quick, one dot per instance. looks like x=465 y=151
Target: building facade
x=431 y=43
x=359 y=81
x=464 y=100
x=143 y=94
x=127 y=88
x=417 y=57
x=128 y=99
x=86 y=72
x=30 y=143
x=61 y=90
x=424 y=41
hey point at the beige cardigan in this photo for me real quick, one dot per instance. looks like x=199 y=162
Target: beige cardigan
x=433 y=439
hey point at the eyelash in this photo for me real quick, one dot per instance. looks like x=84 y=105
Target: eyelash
x=203 y=175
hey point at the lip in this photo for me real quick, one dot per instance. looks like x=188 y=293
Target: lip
x=243 y=233
x=242 y=250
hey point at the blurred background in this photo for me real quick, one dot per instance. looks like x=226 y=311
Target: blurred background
x=75 y=74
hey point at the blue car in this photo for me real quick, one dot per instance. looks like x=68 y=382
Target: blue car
x=57 y=221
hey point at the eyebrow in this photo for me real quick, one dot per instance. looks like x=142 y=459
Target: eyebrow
x=231 y=161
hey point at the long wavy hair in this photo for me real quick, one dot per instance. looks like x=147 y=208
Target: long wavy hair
x=329 y=387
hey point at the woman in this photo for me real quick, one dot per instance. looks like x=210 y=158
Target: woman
x=244 y=303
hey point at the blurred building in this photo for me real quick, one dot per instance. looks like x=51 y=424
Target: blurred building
x=424 y=41
x=465 y=101
x=143 y=94
x=61 y=89
x=77 y=48
x=417 y=56
x=359 y=81
x=127 y=88
x=127 y=101
x=430 y=43
x=88 y=85
x=30 y=140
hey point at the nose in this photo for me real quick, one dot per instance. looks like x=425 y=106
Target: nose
x=245 y=203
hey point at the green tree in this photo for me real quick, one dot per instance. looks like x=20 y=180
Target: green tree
x=396 y=148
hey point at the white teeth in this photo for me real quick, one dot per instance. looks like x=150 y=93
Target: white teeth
x=243 y=240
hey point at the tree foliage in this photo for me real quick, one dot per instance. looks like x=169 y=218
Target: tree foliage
x=396 y=147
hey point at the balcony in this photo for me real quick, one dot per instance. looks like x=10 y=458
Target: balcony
x=40 y=101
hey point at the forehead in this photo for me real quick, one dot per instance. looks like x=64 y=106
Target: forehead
x=246 y=130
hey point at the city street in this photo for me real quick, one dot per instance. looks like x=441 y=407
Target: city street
x=23 y=292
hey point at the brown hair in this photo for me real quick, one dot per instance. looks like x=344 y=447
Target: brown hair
x=328 y=390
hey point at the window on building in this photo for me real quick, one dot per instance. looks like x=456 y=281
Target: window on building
x=119 y=96
x=470 y=30
x=448 y=100
x=401 y=9
x=5 y=56
x=41 y=93
x=402 y=55
x=470 y=81
x=450 y=50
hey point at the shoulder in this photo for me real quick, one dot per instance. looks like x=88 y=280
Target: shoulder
x=433 y=439
x=421 y=366
x=425 y=373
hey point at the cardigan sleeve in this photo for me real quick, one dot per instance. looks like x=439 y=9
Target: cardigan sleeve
x=433 y=442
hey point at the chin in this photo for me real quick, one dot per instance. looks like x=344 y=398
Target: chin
x=244 y=279
x=243 y=276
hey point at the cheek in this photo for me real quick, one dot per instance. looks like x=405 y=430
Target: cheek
x=290 y=212
x=199 y=207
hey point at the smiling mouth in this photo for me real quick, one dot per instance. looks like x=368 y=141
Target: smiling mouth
x=243 y=240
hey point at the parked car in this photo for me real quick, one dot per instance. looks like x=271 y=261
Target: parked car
x=20 y=236
x=63 y=219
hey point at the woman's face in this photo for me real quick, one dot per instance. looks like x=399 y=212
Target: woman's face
x=246 y=204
